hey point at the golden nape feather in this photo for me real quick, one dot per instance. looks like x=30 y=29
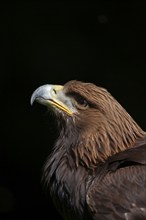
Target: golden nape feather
x=97 y=168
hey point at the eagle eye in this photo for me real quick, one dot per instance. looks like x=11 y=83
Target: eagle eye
x=80 y=102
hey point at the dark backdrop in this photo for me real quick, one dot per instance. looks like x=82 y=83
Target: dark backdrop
x=54 y=42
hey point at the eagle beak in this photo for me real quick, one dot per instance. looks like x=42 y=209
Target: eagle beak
x=52 y=96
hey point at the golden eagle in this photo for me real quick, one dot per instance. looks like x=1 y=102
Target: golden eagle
x=97 y=168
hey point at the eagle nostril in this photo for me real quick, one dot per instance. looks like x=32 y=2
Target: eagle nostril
x=54 y=91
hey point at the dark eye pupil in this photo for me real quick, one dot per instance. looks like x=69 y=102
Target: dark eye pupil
x=82 y=101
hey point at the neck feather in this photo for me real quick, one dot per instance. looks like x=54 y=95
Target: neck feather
x=112 y=135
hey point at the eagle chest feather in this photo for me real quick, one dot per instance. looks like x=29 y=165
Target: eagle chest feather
x=67 y=184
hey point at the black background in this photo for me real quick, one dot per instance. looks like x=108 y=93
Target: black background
x=102 y=42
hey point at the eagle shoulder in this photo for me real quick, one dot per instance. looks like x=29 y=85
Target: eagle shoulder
x=119 y=192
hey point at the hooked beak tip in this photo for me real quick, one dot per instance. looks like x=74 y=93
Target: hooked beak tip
x=33 y=97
